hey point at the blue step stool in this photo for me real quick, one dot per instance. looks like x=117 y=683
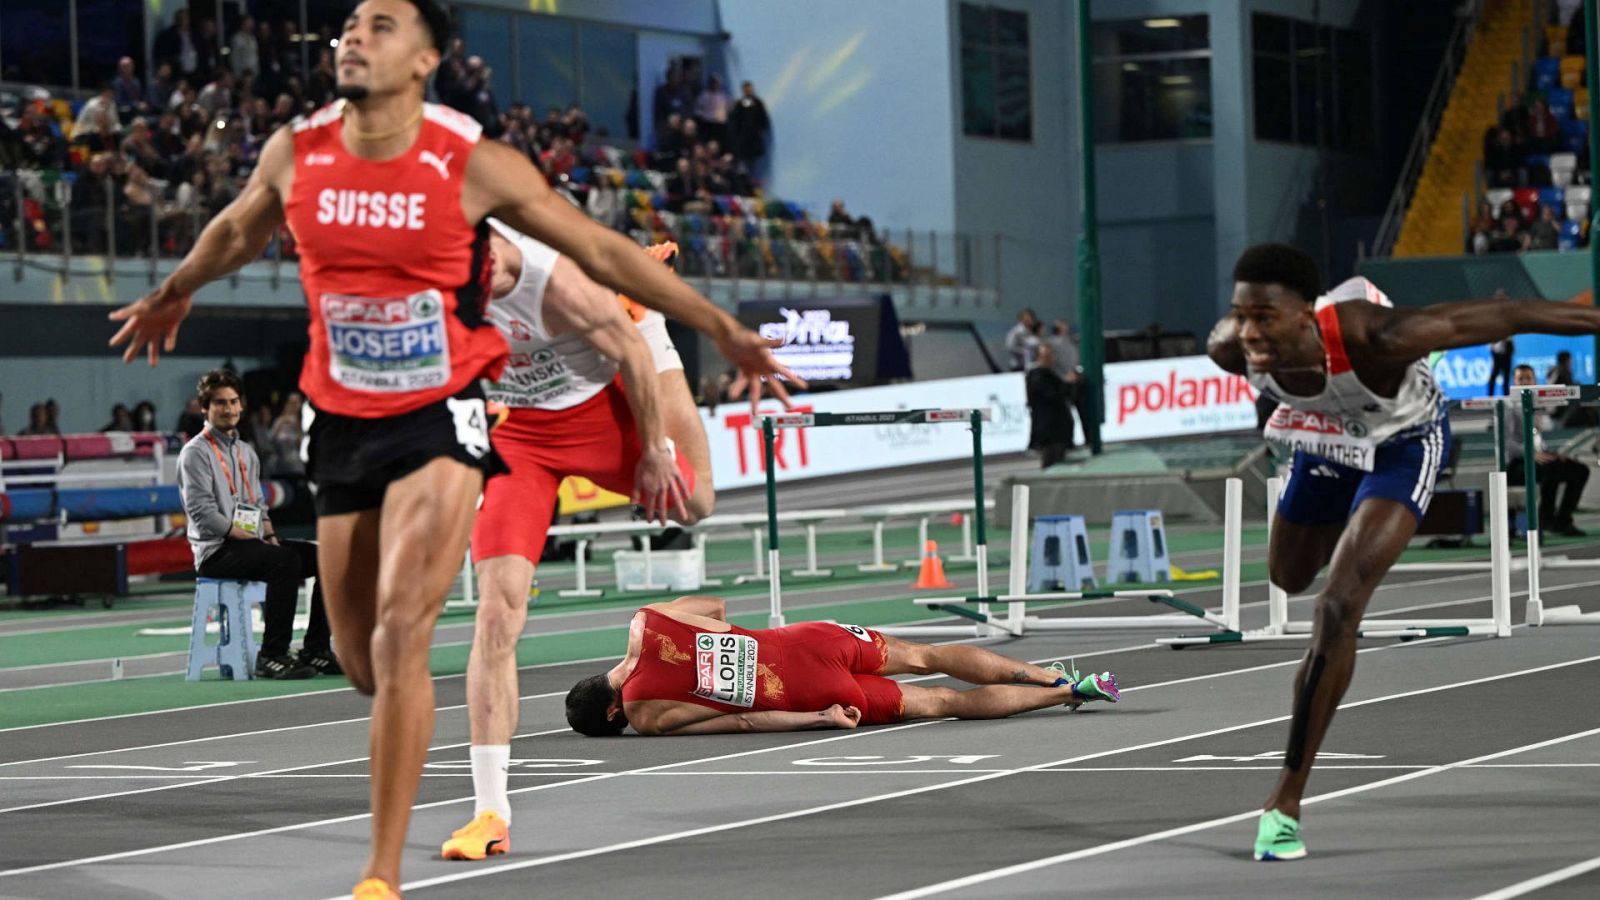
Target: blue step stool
x=1060 y=555
x=234 y=653
x=1138 y=548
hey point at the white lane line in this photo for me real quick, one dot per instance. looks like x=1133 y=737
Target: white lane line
x=771 y=773
x=225 y=778
x=224 y=838
x=248 y=734
x=1542 y=881
x=1032 y=865
x=794 y=814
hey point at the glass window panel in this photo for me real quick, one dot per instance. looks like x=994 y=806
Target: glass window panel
x=1307 y=90
x=609 y=63
x=547 y=52
x=1011 y=29
x=1270 y=34
x=977 y=91
x=1307 y=38
x=1353 y=120
x=488 y=34
x=1273 y=100
x=34 y=42
x=1152 y=100
x=977 y=24
x=1168 y=34
x=1013 y=97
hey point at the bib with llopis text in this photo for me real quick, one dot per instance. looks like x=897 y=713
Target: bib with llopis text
x=725 y=668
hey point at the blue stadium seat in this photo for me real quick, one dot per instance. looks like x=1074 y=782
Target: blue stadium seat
x=1546 y=73
x=1577 y=143
x=1560 y=102
x=1571 y=232
x=580 y=174
x=1577 y=127
x=1555 y=198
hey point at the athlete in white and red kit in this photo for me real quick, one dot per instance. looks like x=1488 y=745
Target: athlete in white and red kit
x=387 y=197
x=1370 y=432
x=590 y=392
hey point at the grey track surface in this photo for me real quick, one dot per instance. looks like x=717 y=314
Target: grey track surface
x=1450 y=792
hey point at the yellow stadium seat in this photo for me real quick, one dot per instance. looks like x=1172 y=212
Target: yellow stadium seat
x=1555 y=38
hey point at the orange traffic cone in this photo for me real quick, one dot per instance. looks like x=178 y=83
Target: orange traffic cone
x=932 y=574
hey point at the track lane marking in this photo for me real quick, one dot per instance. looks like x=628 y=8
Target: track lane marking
x=1032 y=865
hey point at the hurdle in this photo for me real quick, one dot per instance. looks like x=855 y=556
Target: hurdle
x=769 y=434
x=1281 y=628
x=1016 y=622
x=1535 y=397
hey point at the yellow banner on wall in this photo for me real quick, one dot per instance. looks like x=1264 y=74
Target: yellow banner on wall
x=581 y=495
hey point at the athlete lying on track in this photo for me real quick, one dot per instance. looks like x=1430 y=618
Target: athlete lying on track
x=689 y=672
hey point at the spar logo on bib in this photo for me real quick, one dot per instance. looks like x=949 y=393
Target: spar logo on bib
x=389 y=344
x=725 y=668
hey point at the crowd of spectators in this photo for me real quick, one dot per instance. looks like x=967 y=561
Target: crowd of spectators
x=145 y=161
x=1536 y=164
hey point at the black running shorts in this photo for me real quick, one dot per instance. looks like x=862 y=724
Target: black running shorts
x=352 y=461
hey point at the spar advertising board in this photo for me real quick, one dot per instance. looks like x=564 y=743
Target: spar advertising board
x=1148 y=399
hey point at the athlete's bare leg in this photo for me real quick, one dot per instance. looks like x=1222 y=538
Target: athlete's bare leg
x=426 y=519
x=995 y=701
x=347 y=569
x=964 y=661
x=1299 y=552
x=1373 y=540
x=492 y=704
x=683 y=425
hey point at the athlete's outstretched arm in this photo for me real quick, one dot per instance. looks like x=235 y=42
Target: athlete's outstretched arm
x=1414 y=333
x=232 y=238
x=502 y=182
x=573 y=304
x=667 y=717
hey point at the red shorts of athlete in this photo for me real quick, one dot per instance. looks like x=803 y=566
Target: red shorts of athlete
x=596 y=439
x=823 y=663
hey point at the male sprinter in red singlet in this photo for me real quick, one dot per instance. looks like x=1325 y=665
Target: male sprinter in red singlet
x=687 y=671
x=387 y=196
x=571 y=413
x=1368 y=425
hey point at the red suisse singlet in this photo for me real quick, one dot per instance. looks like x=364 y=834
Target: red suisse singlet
x=395 y=275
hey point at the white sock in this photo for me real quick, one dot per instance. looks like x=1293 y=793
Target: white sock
x=490 y=763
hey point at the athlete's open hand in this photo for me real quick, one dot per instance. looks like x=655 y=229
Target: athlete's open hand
x=842 y=716
x=752 y=355
x=151 y=324
x=659 y=486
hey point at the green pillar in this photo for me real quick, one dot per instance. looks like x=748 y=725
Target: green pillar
x=769 y=437
x=1592 y=77
x=1092 y=344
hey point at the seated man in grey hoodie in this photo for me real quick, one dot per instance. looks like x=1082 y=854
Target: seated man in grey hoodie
x=232 y=536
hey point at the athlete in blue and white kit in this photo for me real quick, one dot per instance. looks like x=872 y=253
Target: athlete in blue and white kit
x=1368 y=425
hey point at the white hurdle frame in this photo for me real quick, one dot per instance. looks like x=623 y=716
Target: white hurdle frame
x=1281 y=628
x=1016 y=622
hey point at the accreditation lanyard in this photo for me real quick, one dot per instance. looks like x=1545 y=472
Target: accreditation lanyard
x=232 y=488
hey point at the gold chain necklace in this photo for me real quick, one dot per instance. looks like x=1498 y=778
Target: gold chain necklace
x=360 y=135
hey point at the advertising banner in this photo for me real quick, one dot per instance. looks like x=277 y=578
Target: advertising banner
x=1464 y=373
x=1146 y=399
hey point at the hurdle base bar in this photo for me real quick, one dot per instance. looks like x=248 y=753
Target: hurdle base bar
x=984 y=624
x=1038 y=623
x=1569 y=615
x=1465 y=628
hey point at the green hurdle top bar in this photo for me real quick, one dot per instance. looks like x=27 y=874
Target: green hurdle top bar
x=973 y=417
x=892 y=417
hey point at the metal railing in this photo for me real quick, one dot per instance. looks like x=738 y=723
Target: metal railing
x=1455 y=53
x=50 y=223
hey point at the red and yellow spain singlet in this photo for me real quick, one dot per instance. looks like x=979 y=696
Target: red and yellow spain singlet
x=395 y=275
